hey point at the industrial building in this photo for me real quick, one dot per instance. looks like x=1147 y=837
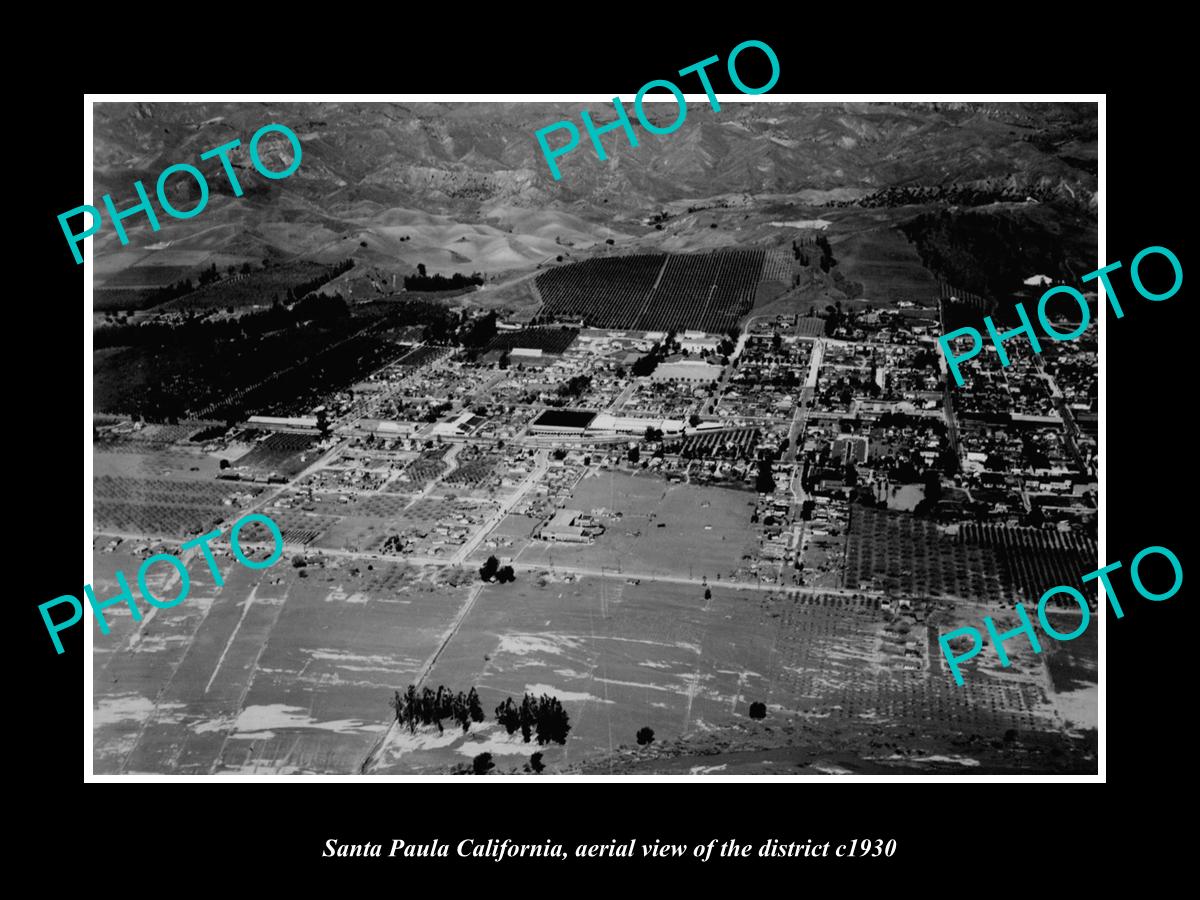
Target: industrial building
x=562 y=421
x=570 y=526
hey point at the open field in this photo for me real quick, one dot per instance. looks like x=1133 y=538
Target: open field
x=289 y=670
x=272 y=672
x=622 y=656
x=618 y=656
x=886 y=264
x=661 y=529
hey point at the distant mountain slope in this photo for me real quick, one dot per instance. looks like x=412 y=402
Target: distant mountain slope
x=463 y=187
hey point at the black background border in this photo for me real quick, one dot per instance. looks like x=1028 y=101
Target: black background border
x=1148 y=370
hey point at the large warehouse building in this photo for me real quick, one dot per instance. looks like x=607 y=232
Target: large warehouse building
x=562 y=421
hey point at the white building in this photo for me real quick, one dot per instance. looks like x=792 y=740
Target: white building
x=605 y=423
x=698 y=342
x=275 y=423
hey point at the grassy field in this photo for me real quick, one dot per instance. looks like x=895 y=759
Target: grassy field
x=280 y=673
x=271 y=672
x=663 y=529
x=289 y=670
x=619 y=657
x=888 y=266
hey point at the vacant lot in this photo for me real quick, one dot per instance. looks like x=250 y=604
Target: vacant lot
x=272 y=672
x=661 y=529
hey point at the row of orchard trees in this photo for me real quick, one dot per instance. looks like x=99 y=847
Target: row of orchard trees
x=543 y=717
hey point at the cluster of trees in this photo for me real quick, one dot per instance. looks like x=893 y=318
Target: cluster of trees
x=482 y=764
x=169 y=367
x=575 y=386
x=764 y=481
x=787 y=378
x=892 y=419
x=535 y=764
x=295 y=292
x=430 y=708
x=197 y=331
x=423 y=282
x=184 y=285
x=833 y=318
x=209 y=275
x=477 y=332
x=493 y=571
x=319 y=307
x=436 y=410
x=827 y=261
x=648 y=363
x=541 y=717
x=932 y=481
x=170 y=292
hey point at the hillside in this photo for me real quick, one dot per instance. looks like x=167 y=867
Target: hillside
x=462 y=187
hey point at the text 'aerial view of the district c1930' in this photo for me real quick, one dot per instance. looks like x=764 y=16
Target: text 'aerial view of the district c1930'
x=653 y=469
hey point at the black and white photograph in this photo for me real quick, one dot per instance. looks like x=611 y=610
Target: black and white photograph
x=524 y=438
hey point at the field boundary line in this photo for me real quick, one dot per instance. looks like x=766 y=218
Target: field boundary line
x=423 y=673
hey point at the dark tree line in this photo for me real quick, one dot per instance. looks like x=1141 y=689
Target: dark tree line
x=251 y=326
x=320 y=307
x=543 y=717
x=430 y=708
x=184 y=286
x=305 y=287
x=827 y=261
x=423 y=282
